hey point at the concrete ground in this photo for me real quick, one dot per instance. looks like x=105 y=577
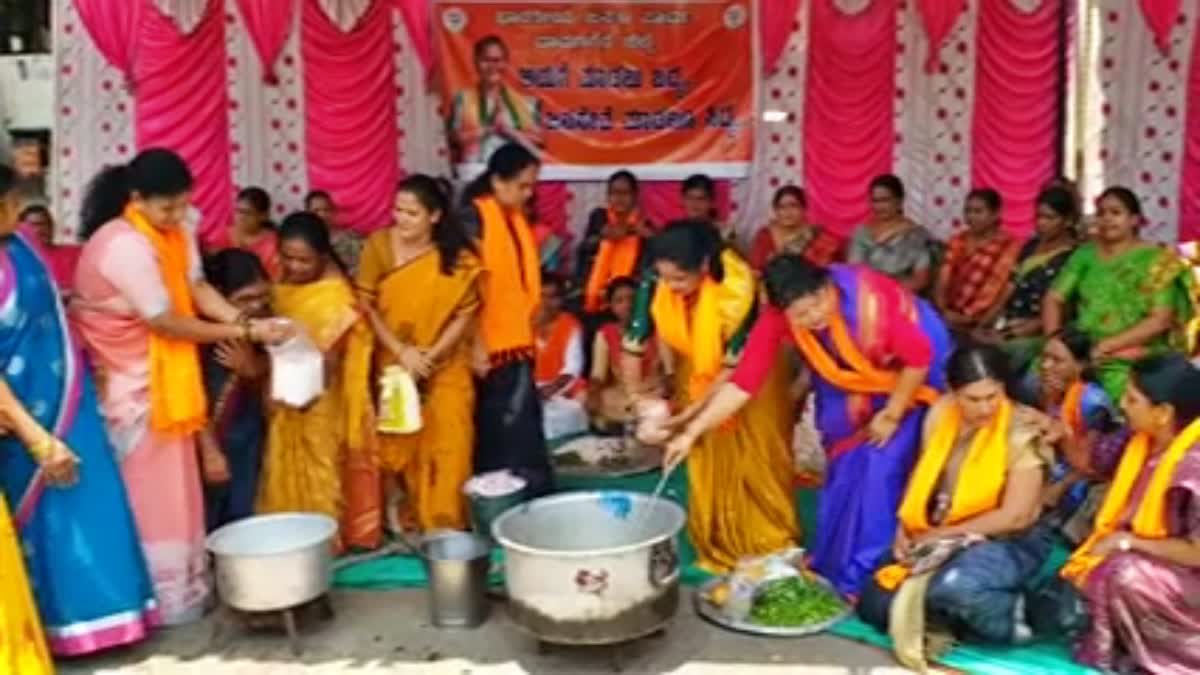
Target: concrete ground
x=389 y=632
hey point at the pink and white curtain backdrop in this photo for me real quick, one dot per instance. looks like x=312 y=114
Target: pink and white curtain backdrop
x=290 y=95
x=949 y=94
x=1136 y=102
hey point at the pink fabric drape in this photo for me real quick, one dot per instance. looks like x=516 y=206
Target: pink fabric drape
x=113 y=27
x=269 y=23
x=848 y=117
x=1189 y=183
x=1016 y=93
x=775 y=24
x=938 y=17
x=553 y=199
x=418 y=15
x=350 y=112
x=1160 y=18
x=662 y=200
x=182 y=104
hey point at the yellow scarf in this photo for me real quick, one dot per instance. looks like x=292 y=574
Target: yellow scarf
x=1150 y=519
x=178 y=405
x=512 y=286
x=978 y=488
x=698 y=336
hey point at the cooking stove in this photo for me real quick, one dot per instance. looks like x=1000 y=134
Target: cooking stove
x=290 y=621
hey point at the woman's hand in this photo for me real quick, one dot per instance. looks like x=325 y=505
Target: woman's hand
x=214 y=467
x=416 y=361
x=1112 y=543
x=60 y=465
x=902 y=546
x=1052 y=494
x=271 y=331
x=882 y=427
x=1103 y=350
x=677 y=450
x=239 y=357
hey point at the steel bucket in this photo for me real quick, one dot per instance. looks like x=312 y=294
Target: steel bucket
x=458 y=565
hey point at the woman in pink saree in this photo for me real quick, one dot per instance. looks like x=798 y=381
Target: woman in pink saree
x=1140 y=570
x=140 y=294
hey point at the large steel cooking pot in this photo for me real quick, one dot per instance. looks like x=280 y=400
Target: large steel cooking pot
x=591 y=567
x=274 y=562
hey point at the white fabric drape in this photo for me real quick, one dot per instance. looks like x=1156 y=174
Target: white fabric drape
x=933 y=120
x=267 y=122
x=1134 y=109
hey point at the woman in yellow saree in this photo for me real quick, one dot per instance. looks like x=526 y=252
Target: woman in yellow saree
x=303 y=462
x=427 y=334
x=22 y=645
x=701 y=302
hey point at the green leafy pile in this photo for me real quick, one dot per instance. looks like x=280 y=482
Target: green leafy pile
x=794 y=602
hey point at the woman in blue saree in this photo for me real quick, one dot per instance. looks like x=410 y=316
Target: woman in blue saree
x=82 y=551
x=876 y=355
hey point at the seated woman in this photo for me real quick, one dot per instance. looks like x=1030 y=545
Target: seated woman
x=613 y=244
x=1131 y=297
x=700 y=303
x=60 y=258
x=1018 y=328
x=790 y=232
x=890 y=242
x=699 y=193
x=252 y=229
x=877 y=357
x=429 y=335
x=1139 y=572
x=302 y=467
x=1082 y=413
x=966 y=546
x=978 y=264
x=235 y=372
x=608 y=399
x=559 y=363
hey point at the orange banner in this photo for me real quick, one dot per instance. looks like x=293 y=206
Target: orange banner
x=665 y=89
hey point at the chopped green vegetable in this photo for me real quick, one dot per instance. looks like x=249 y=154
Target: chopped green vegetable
x=567 y=459
x=794 y=602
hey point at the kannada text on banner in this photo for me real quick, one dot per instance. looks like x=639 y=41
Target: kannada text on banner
x=664 y=88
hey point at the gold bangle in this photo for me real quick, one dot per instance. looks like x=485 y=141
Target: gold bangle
x=43 y=448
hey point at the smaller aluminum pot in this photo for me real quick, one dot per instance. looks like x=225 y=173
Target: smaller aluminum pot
x=273 y=562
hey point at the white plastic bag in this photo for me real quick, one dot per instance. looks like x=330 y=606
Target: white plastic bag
x=297 y=371
x=399 y=402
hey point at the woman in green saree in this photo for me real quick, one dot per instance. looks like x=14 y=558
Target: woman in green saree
x=1133 y=298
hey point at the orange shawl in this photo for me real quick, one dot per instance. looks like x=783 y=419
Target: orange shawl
x=1072 y=409
x=178 y=405
x=615 y=258
x=862 y=377
x=512 y=287
x=1150 y=519
x=552 y=356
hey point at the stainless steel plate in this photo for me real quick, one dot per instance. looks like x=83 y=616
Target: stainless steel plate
x=712 y=613
x=634 y=459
